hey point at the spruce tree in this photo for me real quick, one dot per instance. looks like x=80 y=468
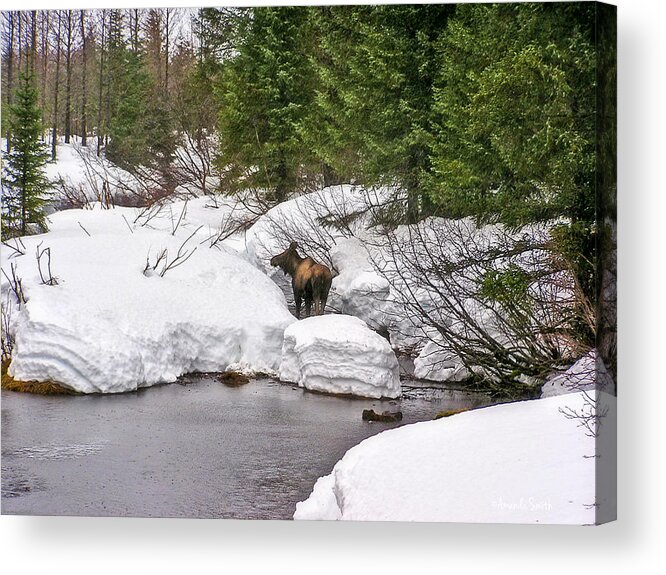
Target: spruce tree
x=514 y=130
x=265 y=92
x=375 y=69
x=25 y=186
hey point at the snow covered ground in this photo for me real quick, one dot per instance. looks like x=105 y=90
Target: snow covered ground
x=522 y=462
x=114 y=323
x=339 y=354
x=78 y=173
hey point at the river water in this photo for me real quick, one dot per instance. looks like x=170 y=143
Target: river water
x=197 y=448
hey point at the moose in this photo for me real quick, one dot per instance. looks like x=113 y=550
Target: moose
x=309 y=280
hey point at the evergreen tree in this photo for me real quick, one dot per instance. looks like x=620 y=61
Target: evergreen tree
x=264 y=92
x=25 y=186
x=375 y=68
x=126 y=99
x=140 y=125
x=514 y=133
x=515 y=102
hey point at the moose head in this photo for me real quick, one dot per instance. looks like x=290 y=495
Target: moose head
x=288 y=260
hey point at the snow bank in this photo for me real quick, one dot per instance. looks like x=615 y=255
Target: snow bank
x=436 y=363
x=339 y=354
x=501 y=464
x=357 y=289
x=586 y=374
x=108 y=327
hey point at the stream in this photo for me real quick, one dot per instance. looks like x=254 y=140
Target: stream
x=196 y=448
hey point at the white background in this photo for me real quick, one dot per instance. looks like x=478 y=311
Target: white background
x=634 y=544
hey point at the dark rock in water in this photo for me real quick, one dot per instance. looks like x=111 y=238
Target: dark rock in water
x=233 y=378
x=388 y=416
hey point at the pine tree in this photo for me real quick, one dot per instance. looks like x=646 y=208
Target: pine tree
x=514 y=132
x=265 y=93
x=375 y=70
x=25 y=186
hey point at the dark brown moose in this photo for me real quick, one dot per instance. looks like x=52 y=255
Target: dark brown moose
x=310 y=281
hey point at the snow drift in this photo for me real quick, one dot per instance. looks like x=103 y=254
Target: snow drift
x=586 y=374
x=110 y=326
x=339 y=354
x=500 y=464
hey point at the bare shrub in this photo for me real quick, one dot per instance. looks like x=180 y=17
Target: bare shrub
x=500 y=303
x=162 y=264
x=15 y=285
x=45 y=274
x=17 y=248
x=7 y=332
x=193 y=162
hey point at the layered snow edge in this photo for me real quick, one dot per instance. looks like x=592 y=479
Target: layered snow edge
x=339 y=354
x=107 y=327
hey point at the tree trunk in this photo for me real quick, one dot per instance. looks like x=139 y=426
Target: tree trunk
x=100 y=115
x=10 y=73
x=606 y=189
x=331 y=178
x=68 y=80
x=33 y=41
x=45 y=62
x=20 y=39
x=84 y=95
x=54 y=132
x=134 y=28
x=166 y=52
x=282 y=184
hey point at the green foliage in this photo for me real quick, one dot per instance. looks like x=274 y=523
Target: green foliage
x=508 y=287
x=375 y=69
x=514 y=130
x=128 y=139
x=24 y=183
x=264 y=92
x=140 y=124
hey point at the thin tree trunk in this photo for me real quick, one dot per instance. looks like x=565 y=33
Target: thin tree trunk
x=10 y=73
x=68 y=81
x=54 y=132
x=24 y=211
x=135 y=30
x=20 y=40
x=33 y=41
x=45 y=60
x=84 y=95
x=166 y=52
x=100 y=117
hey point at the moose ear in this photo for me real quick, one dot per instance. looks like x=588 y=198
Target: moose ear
x=293 y=245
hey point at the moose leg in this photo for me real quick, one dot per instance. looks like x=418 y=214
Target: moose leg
x=322 y=302
x=297 y=301
x=308 y=306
